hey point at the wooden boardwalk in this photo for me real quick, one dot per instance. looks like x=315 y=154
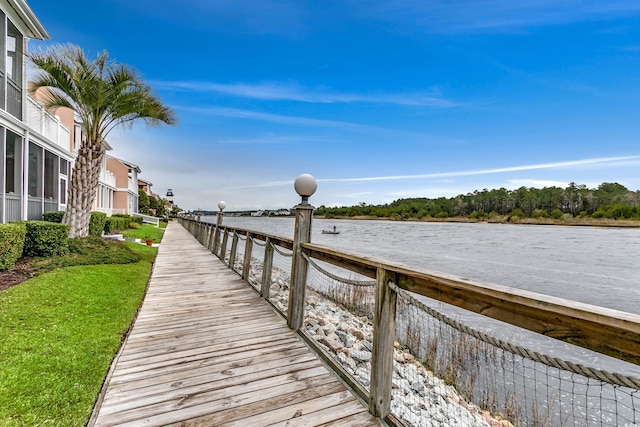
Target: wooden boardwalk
x=205 y=350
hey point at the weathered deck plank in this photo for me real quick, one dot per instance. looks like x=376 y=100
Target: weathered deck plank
x=205 y=350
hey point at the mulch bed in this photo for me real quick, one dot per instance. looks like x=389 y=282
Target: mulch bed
x=18 y=274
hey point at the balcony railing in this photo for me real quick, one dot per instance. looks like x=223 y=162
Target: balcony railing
x=110 y=211
x=133 y=186
x=46 y=124
x=107 y=177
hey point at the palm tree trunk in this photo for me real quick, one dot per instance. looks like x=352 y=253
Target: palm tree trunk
x=82 y=192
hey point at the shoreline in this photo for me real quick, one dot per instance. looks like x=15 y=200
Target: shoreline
x=579 y=222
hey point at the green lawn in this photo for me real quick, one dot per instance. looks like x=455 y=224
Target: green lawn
x=145 y=231
x=59 y=333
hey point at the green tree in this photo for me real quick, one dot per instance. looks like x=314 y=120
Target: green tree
x=105 y=95
x=143 y=201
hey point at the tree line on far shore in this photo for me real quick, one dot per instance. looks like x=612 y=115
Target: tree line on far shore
x=608 y=200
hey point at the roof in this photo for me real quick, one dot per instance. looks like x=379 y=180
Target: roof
x=30 y=23
x=144 y=182
x=126 y=163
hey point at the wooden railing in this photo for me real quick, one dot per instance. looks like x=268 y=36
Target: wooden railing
x=606 y=331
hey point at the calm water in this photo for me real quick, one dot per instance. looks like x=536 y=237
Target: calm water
x=599 y=266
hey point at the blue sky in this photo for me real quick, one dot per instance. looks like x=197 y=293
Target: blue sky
x=379 y=100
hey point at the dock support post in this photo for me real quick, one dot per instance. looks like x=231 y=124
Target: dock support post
x=216 y=237
x=384 y=330
x=246 y=262
x=266 y=269
x=299 y=266
x=234 y=249
x=223 y=249
x=305 y=185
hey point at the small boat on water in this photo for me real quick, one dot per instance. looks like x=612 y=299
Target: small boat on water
x=334 y=231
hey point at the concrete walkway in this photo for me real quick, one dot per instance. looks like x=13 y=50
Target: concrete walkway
x=206 y=350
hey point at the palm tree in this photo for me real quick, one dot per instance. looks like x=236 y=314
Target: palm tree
x=105 y=95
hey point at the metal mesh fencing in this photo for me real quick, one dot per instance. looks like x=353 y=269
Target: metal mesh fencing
x=257 y=263
x=280 y=278
x=510 y=383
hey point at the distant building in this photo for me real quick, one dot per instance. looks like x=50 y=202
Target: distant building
x=125 y=196
x=145 y=186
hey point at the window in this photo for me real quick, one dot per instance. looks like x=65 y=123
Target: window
x=2 y=58
x=13 y=163
x=13 y=68
x=50 y=176
x=14 y=54
x=77 y=137
x=63 y=191
x=35 y=170
x=64 y=167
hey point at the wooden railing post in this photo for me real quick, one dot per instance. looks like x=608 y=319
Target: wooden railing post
x=234 y=249
x=199 y=231
x=210 y=245
x=266 y=269
x=246 y=262
x=299 y=265
x=223 y=249
x=216 y=238
x=384 y=330
x=205 y=235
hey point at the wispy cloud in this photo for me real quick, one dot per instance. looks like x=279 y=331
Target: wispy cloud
x=278 y=91
x=469 y=16
x=598 y=162
x=274 y=118
x=584 y=163
x=276 y=140
x=536 y=183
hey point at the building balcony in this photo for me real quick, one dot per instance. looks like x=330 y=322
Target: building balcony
x=133 y=186
x=107 y=178
x=46 y=124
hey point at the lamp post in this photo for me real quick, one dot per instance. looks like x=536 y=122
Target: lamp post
x=305 y=185
x=216 y=237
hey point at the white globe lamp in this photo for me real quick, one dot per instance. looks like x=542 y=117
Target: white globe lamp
x=305 y=185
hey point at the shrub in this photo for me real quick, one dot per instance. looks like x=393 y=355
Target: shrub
x=134 y=225
x=11 y=244
x=114 y=223
x=46 y=239
x=539 y=213
x=53 y=216
x=96 y=223
x=517 y=213
x=478 y=214
x=556 y=214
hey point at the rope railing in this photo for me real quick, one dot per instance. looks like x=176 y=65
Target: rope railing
x=364 y=283
x=258 y=242
x=281 y=252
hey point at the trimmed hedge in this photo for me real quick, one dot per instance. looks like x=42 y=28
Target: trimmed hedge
x=11 y=244
x=46 y=239
x=129 y=218
x=96 y=223
x=53 y=216
x=115 y=223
